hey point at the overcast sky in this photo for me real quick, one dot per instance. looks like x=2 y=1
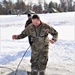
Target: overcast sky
x=35 y=1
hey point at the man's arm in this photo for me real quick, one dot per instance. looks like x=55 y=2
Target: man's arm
x=23 y=34
x=54 y=33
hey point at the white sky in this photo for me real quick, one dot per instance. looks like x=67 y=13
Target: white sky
x=35 y=1
x=48 y=1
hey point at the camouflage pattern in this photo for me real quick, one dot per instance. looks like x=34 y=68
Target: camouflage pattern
x=40 y=44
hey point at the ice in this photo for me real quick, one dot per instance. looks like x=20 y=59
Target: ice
x=61 y=54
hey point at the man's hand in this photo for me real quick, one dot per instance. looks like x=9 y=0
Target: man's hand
x=52 y=41
x=14 y=37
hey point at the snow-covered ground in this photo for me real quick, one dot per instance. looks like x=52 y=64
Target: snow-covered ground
x=61 y=54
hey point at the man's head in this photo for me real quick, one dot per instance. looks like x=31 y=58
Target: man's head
x=36 y=20
x=29 y=15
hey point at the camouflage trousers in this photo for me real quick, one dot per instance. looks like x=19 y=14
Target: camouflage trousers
x=39 y=60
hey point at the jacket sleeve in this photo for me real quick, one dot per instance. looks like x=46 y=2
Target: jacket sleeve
x=54 y=33
x=23 y=34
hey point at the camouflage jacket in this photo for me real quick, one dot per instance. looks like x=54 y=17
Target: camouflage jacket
x=39 y=35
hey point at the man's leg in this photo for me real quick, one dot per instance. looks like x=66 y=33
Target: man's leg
x=34 y=67
x=38 y=68
x=43 y=59
x=34 y=70
x=42 y=69
x=34 y=64
x=42 y=72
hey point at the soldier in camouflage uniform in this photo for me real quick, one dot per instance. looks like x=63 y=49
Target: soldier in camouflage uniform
x=28 y=22
x=40 y=43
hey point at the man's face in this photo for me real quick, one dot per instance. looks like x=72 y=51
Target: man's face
x=36 y=22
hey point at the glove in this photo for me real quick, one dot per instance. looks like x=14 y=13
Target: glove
x=14 y=37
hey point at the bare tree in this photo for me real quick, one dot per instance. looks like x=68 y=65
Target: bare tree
x=45 y=5
x=73 y=6
x=69 y=5
x=66 y=5
x=39 y=6
x=20 y=5
x=63 y=5
x=30 y=5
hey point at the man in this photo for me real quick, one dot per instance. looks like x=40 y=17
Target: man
x=28 y=22
x=40 y=43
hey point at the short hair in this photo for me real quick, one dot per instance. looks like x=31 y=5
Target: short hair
x=35 y=17
x=29 y=15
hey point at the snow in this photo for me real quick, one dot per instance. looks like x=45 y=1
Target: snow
x=61 y=54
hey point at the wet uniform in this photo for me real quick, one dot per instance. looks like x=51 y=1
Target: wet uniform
x=40 y=45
